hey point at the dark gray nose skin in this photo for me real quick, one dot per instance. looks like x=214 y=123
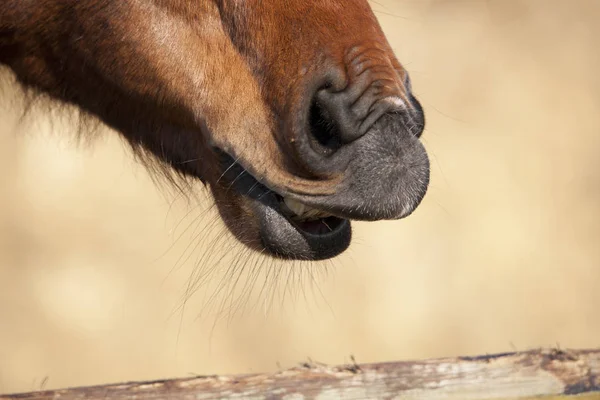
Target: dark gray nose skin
x=386 y=172
x=368 y=134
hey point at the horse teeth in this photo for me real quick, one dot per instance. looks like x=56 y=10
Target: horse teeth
x=295 y=206
x=303 y=211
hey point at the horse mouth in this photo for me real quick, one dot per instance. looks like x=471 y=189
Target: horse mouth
x=380 y=174
x=274 y=224
x=289 y=229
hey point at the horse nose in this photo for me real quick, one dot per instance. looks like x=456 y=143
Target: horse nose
x=342 y=103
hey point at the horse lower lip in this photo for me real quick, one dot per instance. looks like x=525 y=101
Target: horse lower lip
x=289 y=238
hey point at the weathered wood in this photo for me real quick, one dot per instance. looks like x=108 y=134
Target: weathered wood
x=542 y=374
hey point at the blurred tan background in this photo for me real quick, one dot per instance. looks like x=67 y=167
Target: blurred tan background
x=503 y=254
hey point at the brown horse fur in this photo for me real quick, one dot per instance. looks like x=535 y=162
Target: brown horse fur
x=292 y=99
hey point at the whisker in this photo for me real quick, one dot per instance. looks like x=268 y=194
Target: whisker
x=265 y=193
x=227 y=170
x=252 y=188
x=188 y=161
x=236 y=178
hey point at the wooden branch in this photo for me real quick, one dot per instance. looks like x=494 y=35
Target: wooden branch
x=552 y=374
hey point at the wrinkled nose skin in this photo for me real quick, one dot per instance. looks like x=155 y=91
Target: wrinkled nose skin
x=385 y=170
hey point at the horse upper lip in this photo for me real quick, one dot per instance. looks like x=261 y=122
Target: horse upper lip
x=248 y=185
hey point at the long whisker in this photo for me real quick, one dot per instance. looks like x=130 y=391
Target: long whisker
x=227 y=170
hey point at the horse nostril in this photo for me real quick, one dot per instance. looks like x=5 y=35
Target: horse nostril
x=333 y=122
x=324 y=130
